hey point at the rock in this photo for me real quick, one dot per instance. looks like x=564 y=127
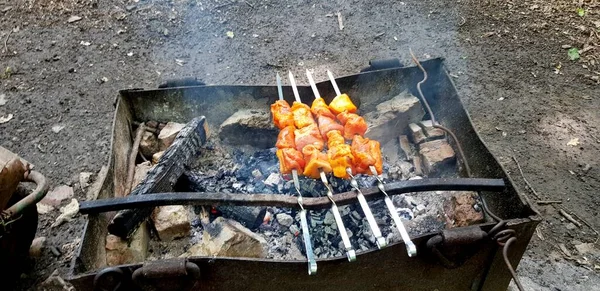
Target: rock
x=284 y=219
x=431 y=132
x=67 y=213
x=329 y=218
x=134 y=250
x=149 y=144
x=228 y=238
x=405 y=147
x=74 y=18
x=405 y=168
x=171 y=222
x=391 y=117
x=436 y=155
x=251 y=127
x=44 y=208
x=584 y=248
x=273 y=180
x=55 y=282
x=168 y=134
x=57 y=195
x=141 y=170
x=156 y=157
x=416 y=133
x=37 y=246
x=420 y=209
x=460 y=211
x=84 y=179
x=294 y=230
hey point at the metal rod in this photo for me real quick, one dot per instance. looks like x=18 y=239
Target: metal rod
x=278 y=200
x=313 y=86
x=411 y=249
x=310 y=256
x=279 y=87
x=294 y=87
x=350 y=253
x=333 y=83
x=381 y=242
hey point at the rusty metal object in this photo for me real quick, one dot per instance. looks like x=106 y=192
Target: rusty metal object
x=194 y=198
x=454 y=246
x=172 y=274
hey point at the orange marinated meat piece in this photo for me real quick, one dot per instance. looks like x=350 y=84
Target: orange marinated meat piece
x=366 y=153
x=353 y=124
x=282 y=114
x=316 y=161
x=339 y=154
x=320 y=108
x=290 y=159
x=327 y=124
x=286 y=138
x=302 y=115
x=342 y=103
x=309 y=135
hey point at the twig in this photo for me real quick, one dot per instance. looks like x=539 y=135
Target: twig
x=134 y=152
x=524 y=179
x=589 y=225
x=225 y=4
x=249 y=4
x=6 y=42
x=569 y=217
x=545 y=202
x=340 y=20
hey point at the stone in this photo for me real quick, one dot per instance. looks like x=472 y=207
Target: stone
x=84 y=179
x=141 y=170
x=149 y=144
x=584 y=248
x=74 y=18
x=417 y=165
x=294 y=230
x=420 y=209
x=171 y=222
x=391 y=117
x=284 y=219
x=228 y=238
x=251 y=127
x=405 y=168
x=156 y=157
x=168 y=134
x=405 y=147
x=37 y=246
x=55 y=282
x=436 y=155
x=416 y=133
x=329 y=218
x=57 y=195
x=133 y=250
x=44 y=208
x=460 y=211
x=431 y=132
x=273 y=180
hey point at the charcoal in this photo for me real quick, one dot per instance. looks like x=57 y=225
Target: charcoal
x=250 y=217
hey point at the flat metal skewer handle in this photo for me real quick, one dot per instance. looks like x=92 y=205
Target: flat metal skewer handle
x=411 y=249
x=350 y=253
x=381 y=242
x=333 y=83
x=310 y=256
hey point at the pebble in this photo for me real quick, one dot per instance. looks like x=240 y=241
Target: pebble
x=420 y=209
x=410 y=201
x=294 y=230
x=356 y=215
x=284 y=219
x=329 y=218
x=37 y=246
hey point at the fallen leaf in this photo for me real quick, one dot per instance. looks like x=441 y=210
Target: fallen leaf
x=6 y=119
x=73 y=18
x=57 y=128
x=573 y=54
x=573 y=142
x=580 y=11
x=67 y=213
x=230 y=34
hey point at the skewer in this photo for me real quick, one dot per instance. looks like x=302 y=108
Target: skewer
x=411 y=249
x=350 y=253
x=333 y=83
x=312 y=263
x=381 y=242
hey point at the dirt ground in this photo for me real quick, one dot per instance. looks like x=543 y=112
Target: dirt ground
x=529 y=101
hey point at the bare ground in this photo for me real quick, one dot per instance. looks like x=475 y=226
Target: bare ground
x=509 y=59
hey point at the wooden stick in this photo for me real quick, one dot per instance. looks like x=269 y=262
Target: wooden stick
x=545 y=202
x=132 y=157
x=569 y=217
x=524 y=179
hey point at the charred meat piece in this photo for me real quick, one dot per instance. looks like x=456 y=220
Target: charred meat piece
x=302 y=115
x=290 y=159
x=282 y=114
x=316 y=161
x=286 y=138
x=339 y=154
x=366 y=153
x=342 y=103
x=353 y=124
x=309 y=135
